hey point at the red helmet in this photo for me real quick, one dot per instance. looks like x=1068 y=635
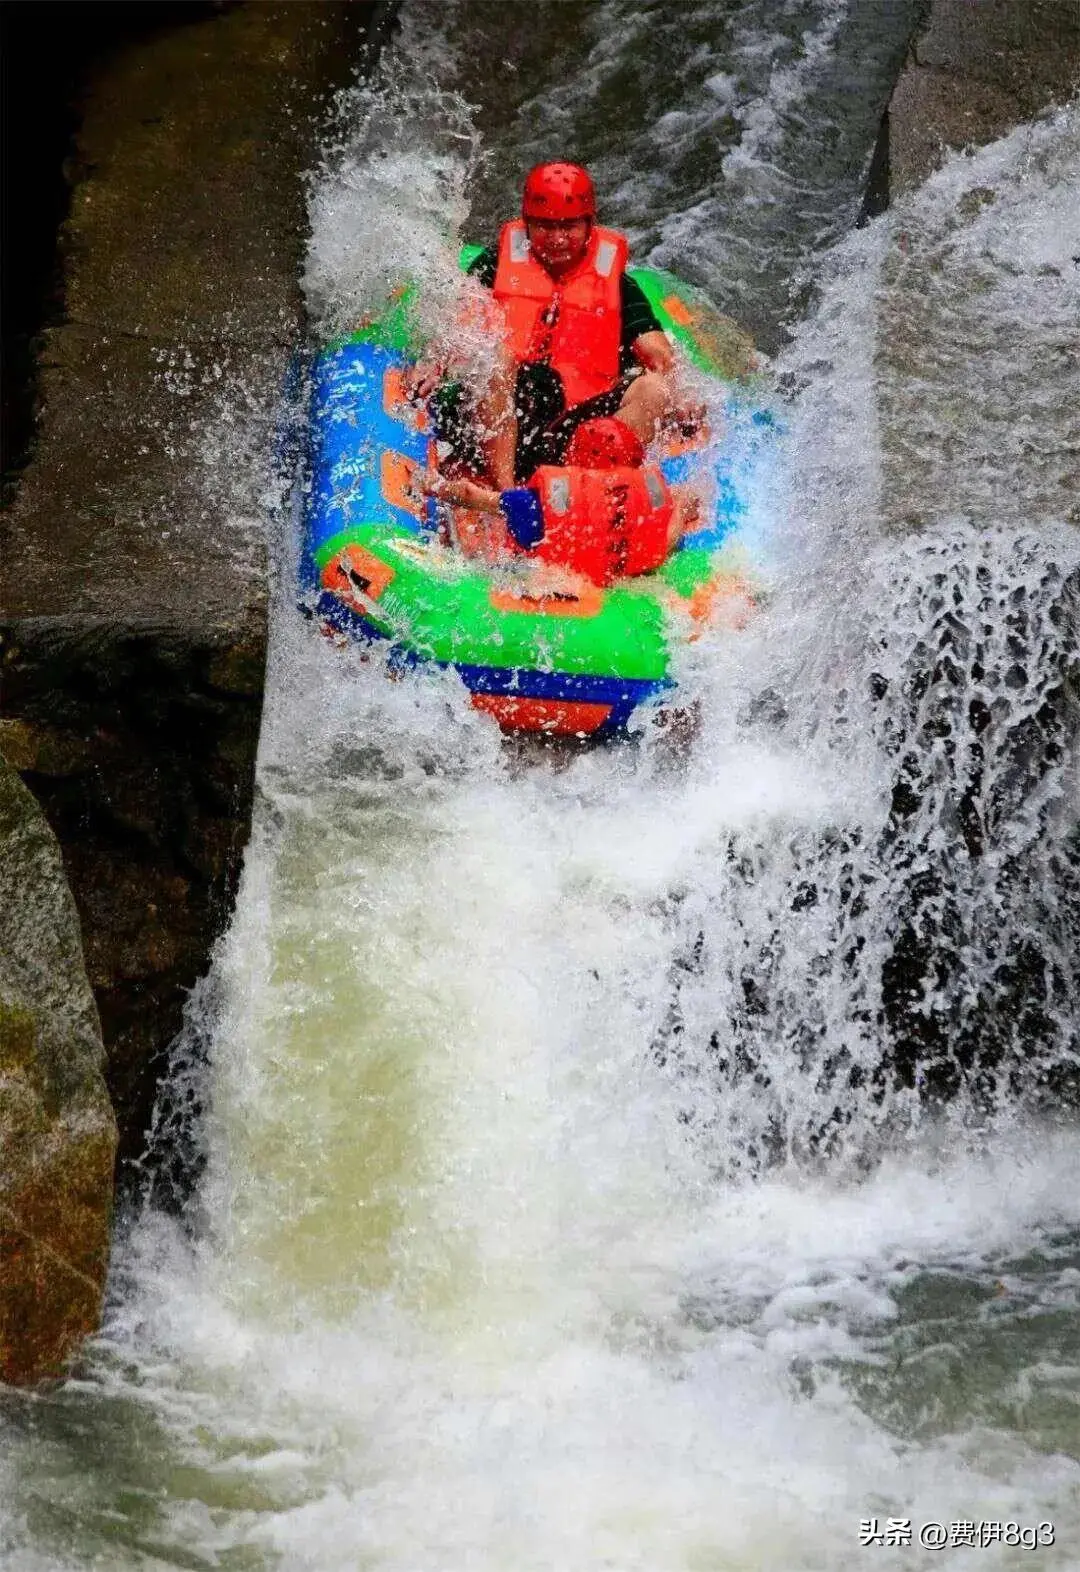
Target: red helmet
x=558 y=191
x=604 y=443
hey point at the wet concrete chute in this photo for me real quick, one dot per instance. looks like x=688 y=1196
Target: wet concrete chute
x=602 y=1158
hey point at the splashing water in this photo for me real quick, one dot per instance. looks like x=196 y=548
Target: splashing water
x=389 y=199
x=576 y=1193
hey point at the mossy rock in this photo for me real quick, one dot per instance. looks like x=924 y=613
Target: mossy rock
x=57 y=1128
x=18 y=1035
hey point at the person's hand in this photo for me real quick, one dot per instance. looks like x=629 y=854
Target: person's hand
x=687 y=416
x=686 y=514
x=429 y=483
x=422 y=380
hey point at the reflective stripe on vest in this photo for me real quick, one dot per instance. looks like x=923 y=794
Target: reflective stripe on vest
x=573 y=324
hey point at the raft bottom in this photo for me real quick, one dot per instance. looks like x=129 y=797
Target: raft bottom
x=558 y=717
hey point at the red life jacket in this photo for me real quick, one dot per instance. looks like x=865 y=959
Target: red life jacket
x=605 y=524
x=573 y=324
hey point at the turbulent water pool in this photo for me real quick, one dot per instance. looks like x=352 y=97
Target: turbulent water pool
x=624 y=1160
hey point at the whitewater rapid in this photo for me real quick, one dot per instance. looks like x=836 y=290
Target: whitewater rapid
x=571 y=1200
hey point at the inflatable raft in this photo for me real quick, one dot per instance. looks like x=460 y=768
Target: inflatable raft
x=538 y=647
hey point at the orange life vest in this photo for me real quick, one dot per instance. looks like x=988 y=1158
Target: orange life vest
x=605 y=524
x=573 y=324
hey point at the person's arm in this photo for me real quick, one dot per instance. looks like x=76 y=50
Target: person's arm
x=684 y=412
x=653 y=351
x=466 y=493
x=422 y=379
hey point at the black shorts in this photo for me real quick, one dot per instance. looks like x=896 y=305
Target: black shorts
x=545 y=425
x=552 y=441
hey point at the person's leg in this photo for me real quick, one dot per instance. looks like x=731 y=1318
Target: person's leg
x=453 y=421
x=638 y=399
x=496 y=415
x=555 y=438
x=479 y=432
x=540 y=400
x=644 y=405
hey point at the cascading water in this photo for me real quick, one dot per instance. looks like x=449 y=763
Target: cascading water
x=645 y=1164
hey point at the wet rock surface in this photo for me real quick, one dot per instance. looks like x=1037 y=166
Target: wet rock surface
x=976 y=362
x=145 y=766
x=980 y=68
x=57 y=1129
x=134 y=556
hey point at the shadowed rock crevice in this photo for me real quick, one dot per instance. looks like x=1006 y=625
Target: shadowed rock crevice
x=133 y=560
x=49 y=54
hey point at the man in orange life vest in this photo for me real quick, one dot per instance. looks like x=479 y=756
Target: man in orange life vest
x=581 y=340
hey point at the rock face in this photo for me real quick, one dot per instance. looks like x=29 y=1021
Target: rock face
x=57 y=1130
x=980 y=68
x=976 y=360
x=134 y=558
